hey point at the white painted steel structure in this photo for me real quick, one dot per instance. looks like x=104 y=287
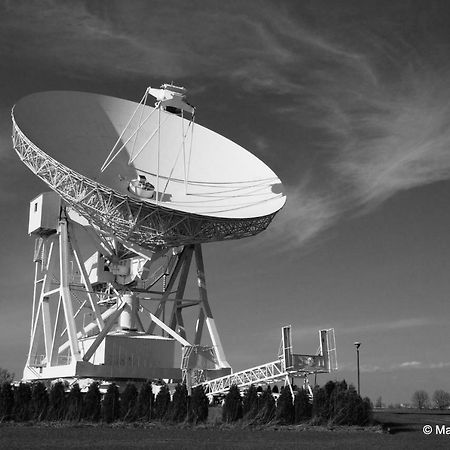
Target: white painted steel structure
x=289 y=365
x=142 y=211
x=207 y=188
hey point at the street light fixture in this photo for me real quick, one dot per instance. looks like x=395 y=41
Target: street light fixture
x=357 y=345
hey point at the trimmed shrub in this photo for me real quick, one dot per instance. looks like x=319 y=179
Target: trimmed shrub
x=128 y=403
x=340 y=404
x=57 y=401
x=22 y=399
x=92 y=404
x=6 y=401
x=285 y=408
x=111 y=404
x=320 y=406
x=39 y=402
x=232 y=407
x=250 y=403
x=198 y=405
x=266 y=407
x=302 y=406
x=145 y=402
x=179 y=405
x=74 y=408
x=162 y=403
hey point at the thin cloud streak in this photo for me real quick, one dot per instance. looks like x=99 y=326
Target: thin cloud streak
x=374 y=135
x=377 y=327
x=403 y=366
x=305 y=215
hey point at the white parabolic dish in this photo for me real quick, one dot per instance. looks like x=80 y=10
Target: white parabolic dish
x=201 y=177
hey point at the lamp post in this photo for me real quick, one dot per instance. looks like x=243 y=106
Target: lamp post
x=357 y=345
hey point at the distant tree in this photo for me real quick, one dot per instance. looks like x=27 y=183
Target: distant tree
x=22 y=399
x=198 y=405
x=441 y=399
x=111 y=404
x=57 y=401
x=232 y=407
x=162 y=403
x=39 y=402
x=74 y=404
x=6 y=376
x=92 y=403
x=275 y=389
x=420 y=399
x=302 y=406
x=145 y=402
x=6 y=401
x=285 y=407
x=128 y=403
x=379 y=402
x=250 y=403
x=266 y=410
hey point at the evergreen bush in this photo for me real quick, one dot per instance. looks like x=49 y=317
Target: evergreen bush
x=74 y=404
x=302 y=407
x=39 y=402
x=92 y=403
x=340 y=404
x=145 y=402
x=320 y=406
x=22 y=400
x=266 y=408
x=162 y=403
x=128 y=403
x=111 y=404
x=198 y=405
x=57 y=401
x=179 y=406
x=232 y=407
x=6 y=401
x=284 y=413
x=250 y=403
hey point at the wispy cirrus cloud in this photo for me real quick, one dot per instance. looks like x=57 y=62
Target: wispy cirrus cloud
x=371 y=110
x=371 y=327
x=305 y=215
x=406 y=365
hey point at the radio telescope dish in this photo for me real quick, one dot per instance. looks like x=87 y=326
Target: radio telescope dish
x=147 y=175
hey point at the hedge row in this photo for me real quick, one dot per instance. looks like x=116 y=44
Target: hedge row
x=334 y=404
x=37 y=403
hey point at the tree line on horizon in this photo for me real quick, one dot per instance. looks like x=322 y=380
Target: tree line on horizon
x=335 y=403
x=421 y=400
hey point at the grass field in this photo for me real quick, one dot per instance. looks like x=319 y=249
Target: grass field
x=405 y=433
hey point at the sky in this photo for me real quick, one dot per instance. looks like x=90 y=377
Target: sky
x=348 y=102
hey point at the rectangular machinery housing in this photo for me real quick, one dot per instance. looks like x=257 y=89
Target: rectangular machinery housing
x=44 y=213
x=136 y=354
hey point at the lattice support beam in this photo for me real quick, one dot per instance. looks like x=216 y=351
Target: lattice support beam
x=132 y=221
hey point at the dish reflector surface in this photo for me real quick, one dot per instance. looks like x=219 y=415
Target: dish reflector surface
x=207 y=175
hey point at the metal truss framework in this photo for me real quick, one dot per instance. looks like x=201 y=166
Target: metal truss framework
x=150 y=226
x=288 y=366
x=64 y=297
